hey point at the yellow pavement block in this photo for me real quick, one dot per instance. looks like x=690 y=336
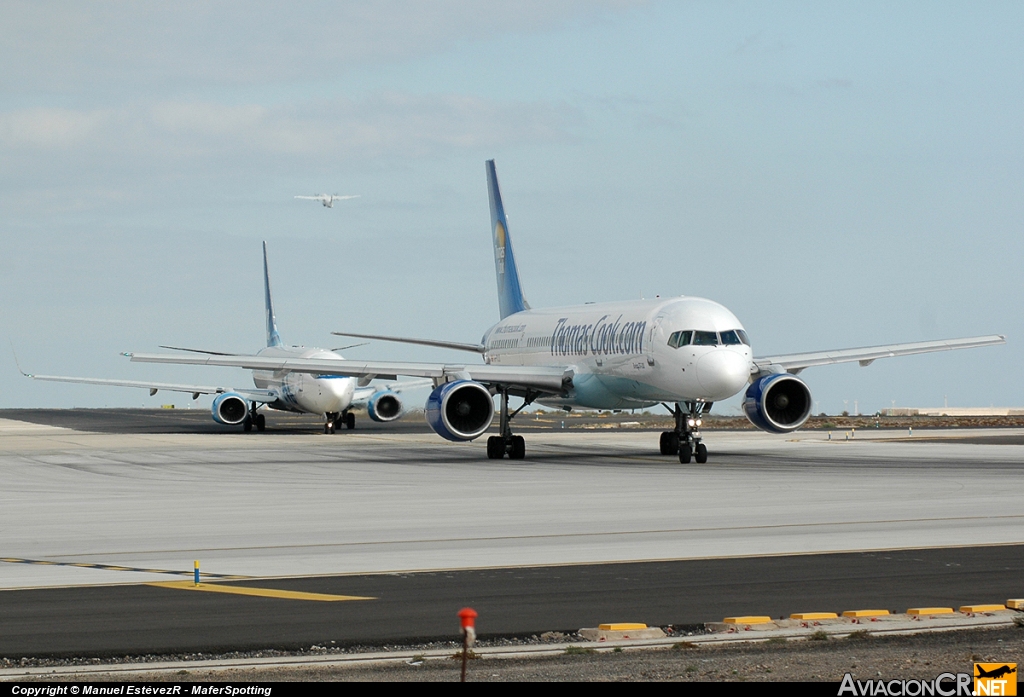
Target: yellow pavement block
x=865 y=613
x=748 y=619
x=260 y=592
x=930 y=611
x=813 y=616
x=1015 y=604
x=982 y=608
x=621 y=626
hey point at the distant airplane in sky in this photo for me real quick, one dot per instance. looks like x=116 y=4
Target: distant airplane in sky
x=689 y=352
x=328 y=394
x=328 y=199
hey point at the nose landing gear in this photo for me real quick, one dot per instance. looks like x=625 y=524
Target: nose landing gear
x=334 y=421
x=685 y=440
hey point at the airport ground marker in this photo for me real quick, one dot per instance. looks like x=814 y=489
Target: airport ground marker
x=259 y=592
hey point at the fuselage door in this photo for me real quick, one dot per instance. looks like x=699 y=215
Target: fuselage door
x=649 y=349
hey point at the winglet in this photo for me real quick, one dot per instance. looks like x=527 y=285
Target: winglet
x=510 y=292
x=16 y=363
x=273 y=338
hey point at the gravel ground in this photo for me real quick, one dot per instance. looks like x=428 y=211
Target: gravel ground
x=921 y=656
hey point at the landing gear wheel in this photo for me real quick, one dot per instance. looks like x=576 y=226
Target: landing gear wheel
x=495 y=448
x=350 y=421
x=685 y=453
x=261 y=423
x=518 y=450
x=247 y=424
x=328 y=426
x=669 y=443
x=701 y=456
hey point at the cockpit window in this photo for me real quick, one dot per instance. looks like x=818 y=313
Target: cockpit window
x=731 y=338
x=705 y=338
x=680 y=339
x=743 y=336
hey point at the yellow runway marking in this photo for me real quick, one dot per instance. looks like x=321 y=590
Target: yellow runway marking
x=261 y=592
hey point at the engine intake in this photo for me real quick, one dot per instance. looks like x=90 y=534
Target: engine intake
x=778 y=403
x=230 y=408
x=384 y=406
x=460 y=410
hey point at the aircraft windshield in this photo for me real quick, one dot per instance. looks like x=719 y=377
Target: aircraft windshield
x=732 y=337
x=679 y=339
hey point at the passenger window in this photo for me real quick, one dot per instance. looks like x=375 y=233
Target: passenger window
x=705 y=339
x=731 y=338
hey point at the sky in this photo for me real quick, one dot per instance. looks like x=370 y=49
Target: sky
x=836 y=174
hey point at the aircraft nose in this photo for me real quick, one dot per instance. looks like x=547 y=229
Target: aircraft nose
x=722 y=373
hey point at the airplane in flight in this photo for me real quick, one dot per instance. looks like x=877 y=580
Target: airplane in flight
x=687 y=352
x=328 y=199
x=314 y=393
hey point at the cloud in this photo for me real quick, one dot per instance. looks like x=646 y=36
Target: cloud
x=383 y=124
x=154 y=45
x=45 y=128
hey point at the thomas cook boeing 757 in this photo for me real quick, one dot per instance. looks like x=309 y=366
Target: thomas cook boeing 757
x=688 y=352
x=325 y=393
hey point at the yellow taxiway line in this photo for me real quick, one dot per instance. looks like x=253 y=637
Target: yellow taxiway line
x=261 y=592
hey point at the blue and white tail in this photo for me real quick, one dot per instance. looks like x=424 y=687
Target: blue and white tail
x=510 y=292
x=273 y=338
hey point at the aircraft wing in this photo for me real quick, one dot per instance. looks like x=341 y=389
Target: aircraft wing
x=547 y=379
x=456 y=345
x=249 y=393
x=362 y=394
x=795 y=362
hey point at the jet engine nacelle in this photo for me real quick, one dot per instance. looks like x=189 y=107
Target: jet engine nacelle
x=778 y=403
x=460 y=410
x=230 y=408
x=384 y=406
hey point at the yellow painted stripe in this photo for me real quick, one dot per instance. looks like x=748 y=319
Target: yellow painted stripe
x=930 y=611
x=748 y=619
x=1015 y=603
x=982 y=608
x=865 y=613
x=621 y=626
x=813 y=616
x=261 y=592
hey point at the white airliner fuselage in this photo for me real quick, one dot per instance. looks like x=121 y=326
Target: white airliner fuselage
x=621 y=354
x=314 y=394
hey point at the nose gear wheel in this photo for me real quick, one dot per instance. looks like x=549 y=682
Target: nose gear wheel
x=685 y=440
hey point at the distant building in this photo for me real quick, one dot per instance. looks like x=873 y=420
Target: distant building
x=954 y=411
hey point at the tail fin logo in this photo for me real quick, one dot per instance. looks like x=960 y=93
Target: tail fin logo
x=499 y=247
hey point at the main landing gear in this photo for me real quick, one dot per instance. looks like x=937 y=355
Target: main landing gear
x=685 y=440
x=334 y=420
x=506 y=443
x=254 y=419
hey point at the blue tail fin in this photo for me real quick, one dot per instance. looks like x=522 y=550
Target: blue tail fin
x=510 y=292
x=273 y=338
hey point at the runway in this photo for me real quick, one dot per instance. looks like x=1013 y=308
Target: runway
x=88 y=508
